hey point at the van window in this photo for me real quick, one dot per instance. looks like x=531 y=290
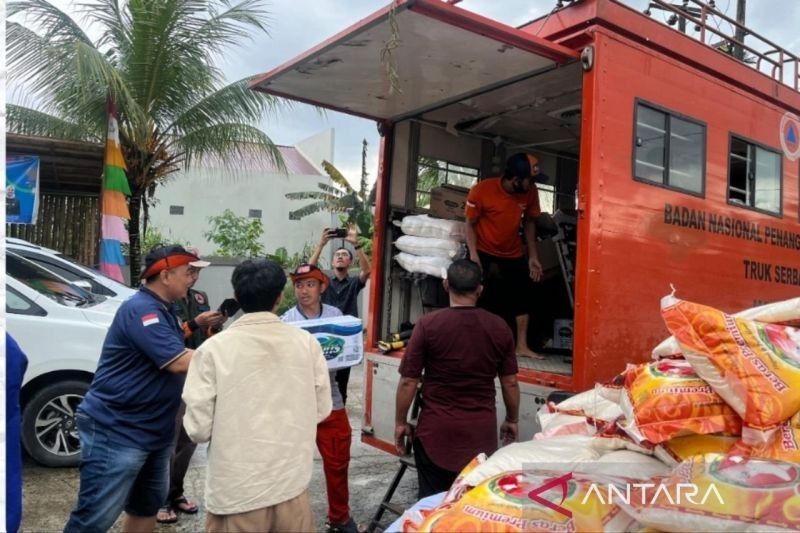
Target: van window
x=669 y=150
x=754 y=176
x=433 y=172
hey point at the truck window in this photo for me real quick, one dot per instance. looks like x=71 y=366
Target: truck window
x=433 y=172
x=754 y=176
x=669 y=150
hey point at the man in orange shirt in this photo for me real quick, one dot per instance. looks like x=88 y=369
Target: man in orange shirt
x=496 y=207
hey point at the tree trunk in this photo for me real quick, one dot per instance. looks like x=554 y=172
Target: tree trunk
x=135 y=247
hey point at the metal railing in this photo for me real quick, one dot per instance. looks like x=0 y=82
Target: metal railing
x=784 y=68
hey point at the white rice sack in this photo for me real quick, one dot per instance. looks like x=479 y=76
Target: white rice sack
x=626 y=463
x=425 y=226
x=429 y=246
x=591 y=404
x=556 y=454
x=433 y=266
x=786 y=312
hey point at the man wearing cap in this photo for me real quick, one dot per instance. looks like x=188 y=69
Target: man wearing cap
x=494 y=210
x=199 y=323
x=334 y=434
x=344 y=288
x=126 y=422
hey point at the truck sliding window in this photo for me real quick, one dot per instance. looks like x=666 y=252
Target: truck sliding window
x=669 y=150
x=754 y=176
x=433 y=172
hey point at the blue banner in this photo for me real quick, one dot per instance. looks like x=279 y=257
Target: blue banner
x=22 y=189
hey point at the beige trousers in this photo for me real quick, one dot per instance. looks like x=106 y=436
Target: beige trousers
x=292 y=515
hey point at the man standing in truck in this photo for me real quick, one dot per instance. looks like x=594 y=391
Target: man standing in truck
x=495 y=209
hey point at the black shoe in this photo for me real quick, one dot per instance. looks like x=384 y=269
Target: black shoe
x=348 y=527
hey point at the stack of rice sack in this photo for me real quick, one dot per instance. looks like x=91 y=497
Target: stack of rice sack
x=429 y=244
x=704 y=438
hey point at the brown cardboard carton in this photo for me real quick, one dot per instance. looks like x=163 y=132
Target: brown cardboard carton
x=448 y=201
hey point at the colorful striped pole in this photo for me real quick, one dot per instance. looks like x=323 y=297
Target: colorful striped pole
x=114 y=203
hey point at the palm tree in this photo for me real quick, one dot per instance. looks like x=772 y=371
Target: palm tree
x=353 y=206
x=156 y=60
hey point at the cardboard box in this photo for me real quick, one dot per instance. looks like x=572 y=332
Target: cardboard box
x=341 y=339
x=448 y=201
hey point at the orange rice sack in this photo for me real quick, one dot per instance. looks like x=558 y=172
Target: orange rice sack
x=784 y=445
x=677 y=450
x=755 y=367
x=667 y=399
x=713 y=492
x=518 y=501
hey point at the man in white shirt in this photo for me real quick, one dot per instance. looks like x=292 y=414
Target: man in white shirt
x=257 y=391
x=334 y=434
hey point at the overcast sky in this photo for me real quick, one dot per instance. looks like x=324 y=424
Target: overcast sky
x=298 y=25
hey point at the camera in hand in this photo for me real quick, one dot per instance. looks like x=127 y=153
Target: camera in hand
x=338 y=233
x=229 y=307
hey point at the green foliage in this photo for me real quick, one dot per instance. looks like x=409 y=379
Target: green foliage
x=289 y=300
x=235 y=236
x=354 y=207
x=156 y=59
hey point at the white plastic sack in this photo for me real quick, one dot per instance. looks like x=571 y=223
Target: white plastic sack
x=425 y=226
x=429 y=246
x=433 y=266
x=549 y=454
x=626 y=463
x=786 y=312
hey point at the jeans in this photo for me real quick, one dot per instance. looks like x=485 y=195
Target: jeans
x=115 y=477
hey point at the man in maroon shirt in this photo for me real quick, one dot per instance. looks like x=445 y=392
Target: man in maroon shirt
x=460 y=350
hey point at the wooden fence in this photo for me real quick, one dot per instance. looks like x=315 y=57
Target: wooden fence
x=67 y=223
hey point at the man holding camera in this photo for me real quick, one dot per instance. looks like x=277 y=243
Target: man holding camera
x=344 y=288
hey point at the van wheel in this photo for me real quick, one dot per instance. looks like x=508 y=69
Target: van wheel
x=49 y=430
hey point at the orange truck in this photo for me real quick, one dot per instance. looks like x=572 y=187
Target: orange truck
x=671 y=162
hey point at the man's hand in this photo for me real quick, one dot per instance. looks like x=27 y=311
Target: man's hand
x=209 y=318
x=509 y=432
x=327 y=235
x=352 y=235
x=402 y=437
x=535 y=268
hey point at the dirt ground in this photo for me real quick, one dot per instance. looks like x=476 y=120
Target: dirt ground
x=50 y=493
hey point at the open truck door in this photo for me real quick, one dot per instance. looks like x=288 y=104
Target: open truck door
x=416 y=61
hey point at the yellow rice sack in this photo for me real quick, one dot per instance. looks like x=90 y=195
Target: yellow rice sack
x=677 y=450
x=784 y=445
x=667 y=399
x=754 y=367
x=529 y=501
x=713 y=492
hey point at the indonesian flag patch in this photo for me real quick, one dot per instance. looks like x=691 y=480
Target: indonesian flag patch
x=150 y=319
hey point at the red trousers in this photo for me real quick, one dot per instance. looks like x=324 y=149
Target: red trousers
x=334 y=436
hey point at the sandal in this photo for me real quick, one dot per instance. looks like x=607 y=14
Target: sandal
x=185 y=506
x=166 y=515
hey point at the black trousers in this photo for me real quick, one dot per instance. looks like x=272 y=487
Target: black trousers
x=342 y=379
x=432 y=478
x=181 y=456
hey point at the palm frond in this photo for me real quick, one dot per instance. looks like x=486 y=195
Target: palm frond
x=316 y=207
x=115 y=22
x=57 y=25
x=226 y=28
x=28 y=121
x=330 y=189
x=312 y=195
x=337 y=177
x=228 y=142
x=231 y=103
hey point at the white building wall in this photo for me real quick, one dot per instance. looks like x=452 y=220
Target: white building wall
x=205 y=192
